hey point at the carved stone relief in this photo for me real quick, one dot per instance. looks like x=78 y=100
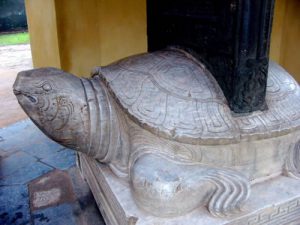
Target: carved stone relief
x=293 y=161
x=161 y=123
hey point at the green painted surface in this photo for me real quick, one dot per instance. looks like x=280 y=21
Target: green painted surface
x=13 y=39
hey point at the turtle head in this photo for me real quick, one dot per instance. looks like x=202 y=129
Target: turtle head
x=55 y=101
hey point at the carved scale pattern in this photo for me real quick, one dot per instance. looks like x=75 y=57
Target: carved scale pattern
x=172 y=95
x=282 y=116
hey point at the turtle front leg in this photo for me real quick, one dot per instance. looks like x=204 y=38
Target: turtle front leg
x=166 y=188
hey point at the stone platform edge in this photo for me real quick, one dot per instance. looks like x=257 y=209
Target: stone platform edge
x=273 y=202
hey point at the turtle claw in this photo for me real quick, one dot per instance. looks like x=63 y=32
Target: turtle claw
x=155 y=180
x=232 y=190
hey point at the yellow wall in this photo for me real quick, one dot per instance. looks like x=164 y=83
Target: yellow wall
x=88 y=33
x=123 y=28
x=41 y=17
x=285 y=44
x=278 y=22
x=78 y=35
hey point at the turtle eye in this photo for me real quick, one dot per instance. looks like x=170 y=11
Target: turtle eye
x=47 y=87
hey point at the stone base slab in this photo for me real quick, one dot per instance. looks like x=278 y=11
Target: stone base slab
x=273 y=202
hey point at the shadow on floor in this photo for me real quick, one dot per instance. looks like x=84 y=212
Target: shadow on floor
x=39 y=183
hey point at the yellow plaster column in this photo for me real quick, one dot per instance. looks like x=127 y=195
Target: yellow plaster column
x=285 y=43
x=79 y=35
x=42 y=26
x=83 y=34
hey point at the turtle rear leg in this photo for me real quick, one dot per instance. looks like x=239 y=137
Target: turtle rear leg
x=167 y=188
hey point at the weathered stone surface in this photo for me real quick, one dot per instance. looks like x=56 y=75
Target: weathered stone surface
x=174 y=96
x=162 y=125
x=272 y=202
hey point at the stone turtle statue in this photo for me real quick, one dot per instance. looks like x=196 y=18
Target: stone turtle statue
x=161 y=122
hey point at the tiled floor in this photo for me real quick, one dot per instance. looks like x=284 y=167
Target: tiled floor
x=39 y=182
x=13 y=59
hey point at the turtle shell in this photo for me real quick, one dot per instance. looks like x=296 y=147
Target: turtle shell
x=173 y=95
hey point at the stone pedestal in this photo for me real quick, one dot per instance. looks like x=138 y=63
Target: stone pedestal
x=273 y=202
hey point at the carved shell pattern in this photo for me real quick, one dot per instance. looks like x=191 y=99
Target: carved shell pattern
x=283 y=100
x=174 y=96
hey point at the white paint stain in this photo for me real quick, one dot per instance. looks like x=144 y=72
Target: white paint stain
x=44 y=198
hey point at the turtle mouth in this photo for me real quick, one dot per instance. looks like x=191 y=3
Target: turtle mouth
x=17 y=92
x=30 y=97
